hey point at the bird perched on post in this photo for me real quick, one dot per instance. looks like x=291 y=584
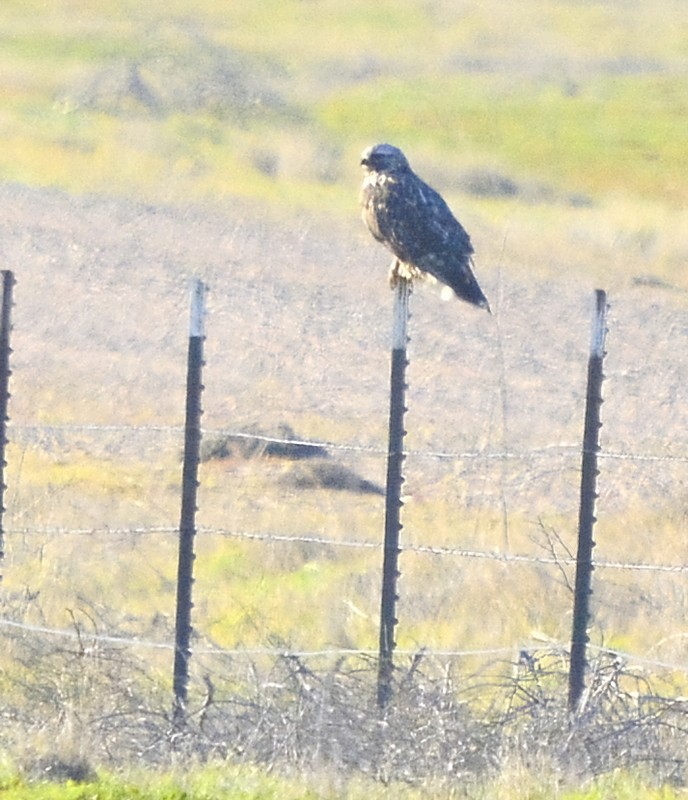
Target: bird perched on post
x=415 y=223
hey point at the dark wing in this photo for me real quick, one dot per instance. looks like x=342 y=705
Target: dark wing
x=413 y=220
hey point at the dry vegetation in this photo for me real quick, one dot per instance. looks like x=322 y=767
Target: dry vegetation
x=179 y=148
x=320 y=360
x=85 y=702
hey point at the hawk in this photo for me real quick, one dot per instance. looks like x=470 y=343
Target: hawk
x=415 y=223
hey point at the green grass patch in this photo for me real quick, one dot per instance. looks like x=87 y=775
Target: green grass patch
x=451 y=86
x=61 y=47
x=601 y=136
x=226 y=782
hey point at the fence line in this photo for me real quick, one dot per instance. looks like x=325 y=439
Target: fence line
x=434 y=550
x=546 y=451
x=531 y=647
x=69 y=633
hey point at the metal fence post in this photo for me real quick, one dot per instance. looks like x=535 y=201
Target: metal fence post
x=588 y=496
x=187 y=524
x=393 y=502
x=5 y=372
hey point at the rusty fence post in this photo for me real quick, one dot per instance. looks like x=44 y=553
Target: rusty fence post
x=393 y=501
x=588 y=496
x=5 y=372
x=187 y=524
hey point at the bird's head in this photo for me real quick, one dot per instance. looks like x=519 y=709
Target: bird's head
x=384 y=158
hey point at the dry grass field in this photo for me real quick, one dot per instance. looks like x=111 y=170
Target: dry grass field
x=303 y=339
x=144 y=147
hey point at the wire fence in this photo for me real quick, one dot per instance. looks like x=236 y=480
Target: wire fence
x=429 y=549
x=560 y=454
x=289 y=550
x=488 y=485
x=29 y=433
x=506 y=650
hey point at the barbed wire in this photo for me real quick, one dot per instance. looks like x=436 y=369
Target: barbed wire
x=67 y=633
x=546 y=451
x=601 y=454
x=81 y=635
x=68 y=427
x=324 y=541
